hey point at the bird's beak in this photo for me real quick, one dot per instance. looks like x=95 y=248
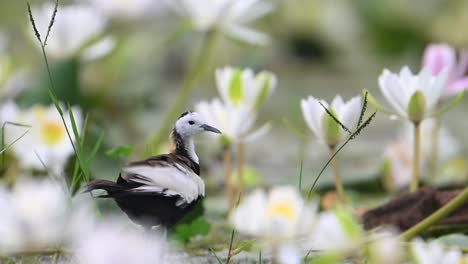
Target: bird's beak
x=210 y=128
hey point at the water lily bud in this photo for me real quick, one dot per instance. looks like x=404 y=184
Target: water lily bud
x=416 y=107
x=332 y=129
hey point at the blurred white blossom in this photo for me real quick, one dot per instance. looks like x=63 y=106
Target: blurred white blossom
x=335 y=230
x=230 y=16
x=327 y=130
x=277 y=218
x=437 y=57
x=236 y=123
x=433 y=252
x=399 y=154
x=448 y=145
x=74 y=28
x=113 y=241
x=242 y=87
x=398 y=157
x=277 y=215
x=413 y=97
x=34 y=215
x=385 y=248
x=45 y=139
x=126 y=9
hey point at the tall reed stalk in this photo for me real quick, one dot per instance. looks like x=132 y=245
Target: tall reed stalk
x=201 y=63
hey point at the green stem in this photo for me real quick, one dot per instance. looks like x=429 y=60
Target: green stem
x=434 y=158
x=227 y=176
x=197 y=69
x=416 y=157
x=438 y=215
x=240 y=169
x=338 y=184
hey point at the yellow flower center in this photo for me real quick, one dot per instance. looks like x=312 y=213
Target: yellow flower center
x=52 y=133
x=282 y=210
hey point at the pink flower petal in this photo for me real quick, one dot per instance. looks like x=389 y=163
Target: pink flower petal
x=457 y=86
x=438 y=56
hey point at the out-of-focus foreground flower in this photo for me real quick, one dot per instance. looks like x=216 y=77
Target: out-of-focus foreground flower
x=113 y=241
x=34 y=215
x=74 y=28
x=45 y=139
x=230 y=16
x=440 y=56
x=433 y=252
x=39 y=215
x=277 y=218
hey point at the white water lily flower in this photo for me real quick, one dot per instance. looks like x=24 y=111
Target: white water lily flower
x=114 y=242
x=385 y=248
x=433 y=253
x=44 y=141
x=239 y=87
x=323 y=126
x=277 y=216
x=230 y=16
x=75 y=26
x=277 y=219
x=125 y=9
x=413 y=97
x=34 y=215
x=235 y=123
x=335 y=230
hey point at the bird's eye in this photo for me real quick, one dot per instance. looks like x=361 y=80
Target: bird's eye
x=191 y=122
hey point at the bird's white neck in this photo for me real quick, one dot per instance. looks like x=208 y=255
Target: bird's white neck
x=190 y=148
x=183 y=145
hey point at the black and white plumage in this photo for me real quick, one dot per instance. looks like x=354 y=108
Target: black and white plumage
x=162 y=189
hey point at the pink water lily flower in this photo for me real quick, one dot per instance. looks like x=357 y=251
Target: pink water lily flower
x=439 y=56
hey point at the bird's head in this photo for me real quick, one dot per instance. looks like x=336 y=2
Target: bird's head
x=191 y=123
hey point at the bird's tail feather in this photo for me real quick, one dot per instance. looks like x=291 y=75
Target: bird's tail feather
x=106 y=185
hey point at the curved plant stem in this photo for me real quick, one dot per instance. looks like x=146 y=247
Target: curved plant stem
x=338 y=184
x=199 y=66
x=416 y=157
x=438 y=215
x=434 y=156
x=240 y=168
x=228 y=175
